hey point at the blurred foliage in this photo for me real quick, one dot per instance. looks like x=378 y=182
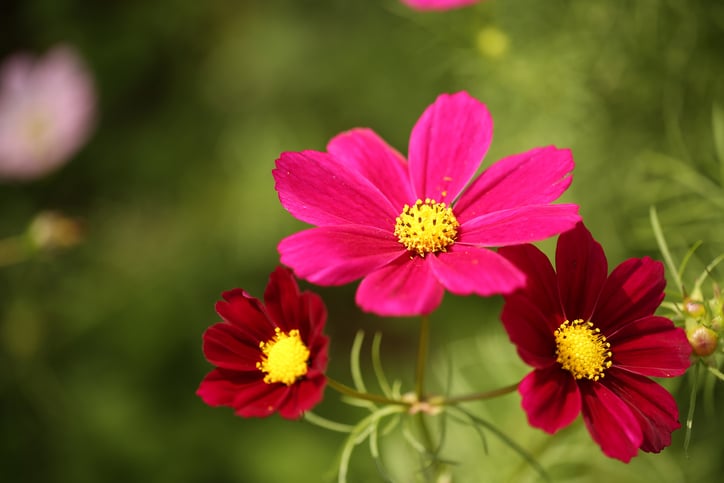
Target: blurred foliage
x=100 y=344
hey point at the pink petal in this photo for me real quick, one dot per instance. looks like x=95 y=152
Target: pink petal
x=335 y=255
x=519 y=225
x=535 y=177
x=364 y=151
x=447 y=145
x=651 y=346
x=226 y=347
x=438 y=4
x=652 y=405
x=634 y=290
x=405 y=287
x=550 y=398
x=316 y=189
x=610 y=421
x=581 y=266
x=466 y=270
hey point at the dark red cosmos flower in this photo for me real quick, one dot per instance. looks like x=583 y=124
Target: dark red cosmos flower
x=269 y=357
x=594 y=341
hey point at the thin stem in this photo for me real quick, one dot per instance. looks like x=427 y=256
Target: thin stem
x=479 y=396
x=325 y=423
x=422 y=345
x=351 y=392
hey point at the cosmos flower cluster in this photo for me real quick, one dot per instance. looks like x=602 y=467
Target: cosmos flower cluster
x=412 y=228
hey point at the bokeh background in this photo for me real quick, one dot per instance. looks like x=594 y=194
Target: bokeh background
x=100 y=345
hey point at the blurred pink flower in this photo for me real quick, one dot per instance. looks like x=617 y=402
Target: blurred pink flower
x=438 y=4
x=46 y=112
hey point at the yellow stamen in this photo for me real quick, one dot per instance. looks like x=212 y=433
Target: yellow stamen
x=285 y=358
x=426 y=227
x=582 y=349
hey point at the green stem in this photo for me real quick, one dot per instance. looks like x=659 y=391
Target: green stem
x=479 y=396
x=351 y=392
x=422 y=345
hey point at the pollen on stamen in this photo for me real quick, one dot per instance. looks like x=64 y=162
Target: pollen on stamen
x=582 y=350
x=284 y=358
x=426 y=227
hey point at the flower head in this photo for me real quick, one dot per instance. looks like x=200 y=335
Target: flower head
x=594 y=341
x=269 y=357
x=438 y=4
x=412 y=229
x=46 y=112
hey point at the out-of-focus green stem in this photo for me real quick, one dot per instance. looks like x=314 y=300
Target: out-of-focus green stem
x=351 y=392
x=478 y=396
x=422 y=345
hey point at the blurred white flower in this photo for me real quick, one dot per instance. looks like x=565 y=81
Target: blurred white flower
x=47 y=110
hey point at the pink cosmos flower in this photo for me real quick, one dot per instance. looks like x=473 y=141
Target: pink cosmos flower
x=413 y=229
x=594 y=341
x=270 y=358
x=438 y=4
x=46 y=112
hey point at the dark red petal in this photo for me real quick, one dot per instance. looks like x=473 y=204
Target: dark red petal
x=651 y=346
x=652 y=405
x=551 y=399
x=260 y=400
x=303 y=397
x=634 y=290
x=581 y=266
x=610 y=421
x=314 y=317
x=225 y=346
x=247 y=313
x=282 y=299
x=220 y=388
x=540 y=293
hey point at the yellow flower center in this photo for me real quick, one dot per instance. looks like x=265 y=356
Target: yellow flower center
x=426 y=227
x=582 y=349
x=285 y=358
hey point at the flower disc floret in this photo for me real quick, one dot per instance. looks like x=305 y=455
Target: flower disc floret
x=426 y=227
x=582 y=349
x=284 y=358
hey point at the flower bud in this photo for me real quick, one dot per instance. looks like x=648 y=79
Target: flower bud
x=694 y=308
x=703 y=340
x=51 y=230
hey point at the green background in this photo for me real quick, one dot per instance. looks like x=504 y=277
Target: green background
x=100 y=345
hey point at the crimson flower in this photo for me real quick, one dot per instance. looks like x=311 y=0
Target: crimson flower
x=269 y=357
x=438 y=4
x=47 y=108
x=594 y=340
x=413 y=229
